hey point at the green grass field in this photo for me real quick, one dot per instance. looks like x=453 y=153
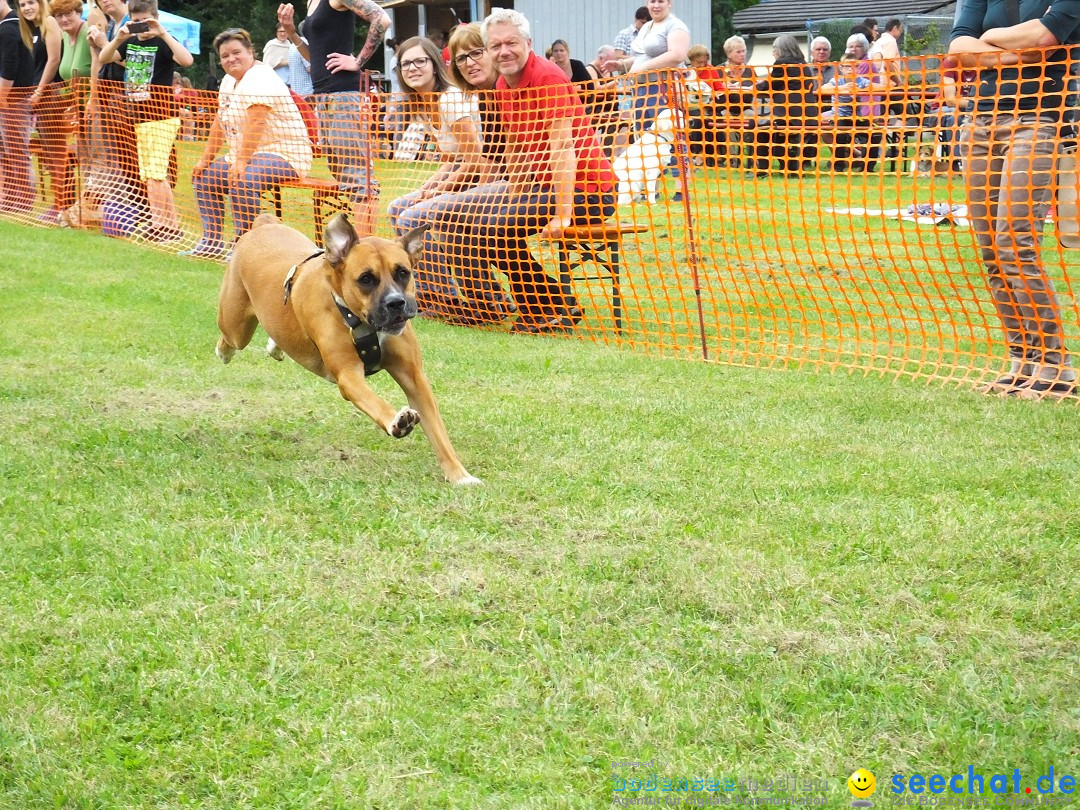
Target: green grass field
x=221 y=587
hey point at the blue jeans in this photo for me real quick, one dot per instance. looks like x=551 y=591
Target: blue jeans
x=434 y=272
x=264 y=171
x=649 y=98
x=17 y=193
x=345 y=133
x=496 y=233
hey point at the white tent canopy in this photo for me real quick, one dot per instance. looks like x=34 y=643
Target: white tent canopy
x=186 y=31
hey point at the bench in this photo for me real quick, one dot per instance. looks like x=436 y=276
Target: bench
x=601 y=245
x=326 y=197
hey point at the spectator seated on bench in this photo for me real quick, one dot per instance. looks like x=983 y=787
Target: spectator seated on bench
x=543 y=119
x=267 y=139
x=853 y=127
x=452 y=118
x=792 y=95
x=703 y=82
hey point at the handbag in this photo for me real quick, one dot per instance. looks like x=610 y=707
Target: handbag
x=411 y=141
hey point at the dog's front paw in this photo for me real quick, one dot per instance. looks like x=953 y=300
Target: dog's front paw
x=403 y=423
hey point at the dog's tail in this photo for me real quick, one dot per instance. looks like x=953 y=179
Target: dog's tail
x=265 y=219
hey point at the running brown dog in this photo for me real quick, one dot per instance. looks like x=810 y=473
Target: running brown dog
x=342 y=313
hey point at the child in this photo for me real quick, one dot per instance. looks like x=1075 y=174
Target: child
x=843 y=108
x=150 y=55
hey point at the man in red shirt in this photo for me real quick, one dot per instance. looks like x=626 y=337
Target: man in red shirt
x=556 y=170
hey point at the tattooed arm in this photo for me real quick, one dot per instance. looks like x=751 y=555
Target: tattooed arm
x=378 y=23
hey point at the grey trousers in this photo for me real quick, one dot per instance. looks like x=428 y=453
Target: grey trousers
x=1010 y=161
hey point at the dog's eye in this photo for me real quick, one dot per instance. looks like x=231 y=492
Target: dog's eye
x=368 y=279
x=401 y=275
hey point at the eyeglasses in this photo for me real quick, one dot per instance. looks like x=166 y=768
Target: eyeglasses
x=419 y=63
x=462 y=58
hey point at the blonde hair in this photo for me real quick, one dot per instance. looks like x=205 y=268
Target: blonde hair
x=464 y=39
x=698 y=52
x=24 y=26
x=232 y=35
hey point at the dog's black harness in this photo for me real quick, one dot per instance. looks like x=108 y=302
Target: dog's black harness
x=367 y=343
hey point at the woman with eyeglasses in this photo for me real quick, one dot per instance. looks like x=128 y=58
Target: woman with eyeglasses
x=855 y=107
x=452 y=120
x=473 y=70
x=267 y=139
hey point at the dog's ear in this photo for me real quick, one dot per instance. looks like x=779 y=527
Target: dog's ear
x=413 y=241
x=339 y=238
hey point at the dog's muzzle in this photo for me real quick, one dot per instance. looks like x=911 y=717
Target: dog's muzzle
x=394 y=310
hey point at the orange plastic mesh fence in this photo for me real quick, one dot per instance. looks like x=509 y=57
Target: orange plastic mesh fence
x=856 y=215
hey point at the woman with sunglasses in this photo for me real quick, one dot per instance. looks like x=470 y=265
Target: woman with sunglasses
x=452 y=120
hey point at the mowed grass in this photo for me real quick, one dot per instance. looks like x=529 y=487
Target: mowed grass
x=221 y=587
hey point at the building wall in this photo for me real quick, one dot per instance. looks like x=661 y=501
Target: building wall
x=760 y=46
x=588 y=24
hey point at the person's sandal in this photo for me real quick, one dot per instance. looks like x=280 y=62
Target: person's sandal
x=1004 y=385
x=1045 y=389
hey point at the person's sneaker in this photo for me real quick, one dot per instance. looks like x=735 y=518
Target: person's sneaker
x=206 y=250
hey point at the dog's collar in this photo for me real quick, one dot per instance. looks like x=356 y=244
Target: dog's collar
x=290 y=277
x=368 y=342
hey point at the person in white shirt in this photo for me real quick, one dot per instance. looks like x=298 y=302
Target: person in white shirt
x=267 y=139
x=299 y=79
x=276 y=53
x=662 y=44
x=886 y=48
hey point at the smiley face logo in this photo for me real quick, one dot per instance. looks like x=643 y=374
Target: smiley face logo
x=862 y=784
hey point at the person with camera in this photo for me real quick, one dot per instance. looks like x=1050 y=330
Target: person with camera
x=150 y=55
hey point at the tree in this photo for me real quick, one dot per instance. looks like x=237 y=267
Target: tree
x=722 y=27
x=258 y=18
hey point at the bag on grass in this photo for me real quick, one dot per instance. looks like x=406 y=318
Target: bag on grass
x=411 y=141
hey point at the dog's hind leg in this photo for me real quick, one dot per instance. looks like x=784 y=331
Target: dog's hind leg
x=236 y=317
